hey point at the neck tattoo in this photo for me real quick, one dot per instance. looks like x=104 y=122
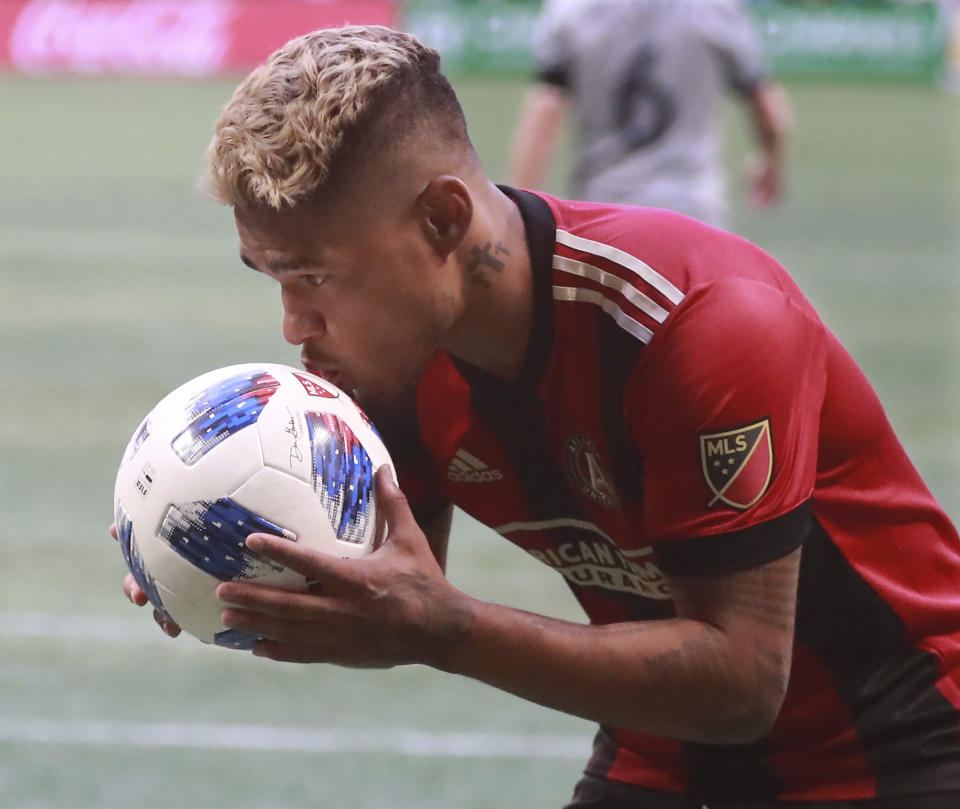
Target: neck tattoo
x=485 y=258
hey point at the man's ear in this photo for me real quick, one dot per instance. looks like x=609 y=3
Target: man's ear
x=445 y=208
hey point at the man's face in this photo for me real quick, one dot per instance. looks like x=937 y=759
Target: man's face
x=363 y=293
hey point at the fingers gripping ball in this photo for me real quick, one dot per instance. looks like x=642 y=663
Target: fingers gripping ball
x=244 y=449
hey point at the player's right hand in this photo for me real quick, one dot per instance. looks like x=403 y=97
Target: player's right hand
x=391 y=607
x=135 y=595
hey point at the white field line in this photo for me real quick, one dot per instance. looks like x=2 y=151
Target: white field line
x=267 y=738
x=277 y=739
x=63 y=626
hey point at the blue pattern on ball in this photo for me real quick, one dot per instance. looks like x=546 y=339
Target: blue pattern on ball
x=131 y=555
x=235 y=639
x=342 y=475
x=212 y=537
x=222 y=410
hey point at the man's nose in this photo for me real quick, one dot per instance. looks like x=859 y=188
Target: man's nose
x=300 y=320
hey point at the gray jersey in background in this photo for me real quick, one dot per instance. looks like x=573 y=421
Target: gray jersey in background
x=646 y=78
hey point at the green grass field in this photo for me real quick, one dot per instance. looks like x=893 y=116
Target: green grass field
x=118 y=282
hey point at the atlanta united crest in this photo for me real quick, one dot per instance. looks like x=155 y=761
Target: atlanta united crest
x=738 y=464
x=582 y=464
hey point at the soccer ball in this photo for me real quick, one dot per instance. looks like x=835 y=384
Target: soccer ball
x=244 y=449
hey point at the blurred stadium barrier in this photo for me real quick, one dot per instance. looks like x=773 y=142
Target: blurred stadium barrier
x=841 y=39
x=164 y=37
x=864 y=40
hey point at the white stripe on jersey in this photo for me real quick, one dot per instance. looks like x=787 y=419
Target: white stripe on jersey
x=625 y=288
x=647 y=273
x=623 y=320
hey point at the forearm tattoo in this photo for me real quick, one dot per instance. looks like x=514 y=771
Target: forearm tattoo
x=768 y=600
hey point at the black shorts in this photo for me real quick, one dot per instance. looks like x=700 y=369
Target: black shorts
x=599 y=793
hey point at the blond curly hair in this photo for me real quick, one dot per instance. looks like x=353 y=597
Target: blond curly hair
x=289 y=123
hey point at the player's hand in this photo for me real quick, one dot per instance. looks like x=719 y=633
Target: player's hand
x=766 y=179
x=394 y=606
x=135 y=594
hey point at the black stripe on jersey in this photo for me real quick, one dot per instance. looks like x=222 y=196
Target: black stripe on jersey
x=907 y=729
x=604 y=753
x=737 y=550
x=618 y=353
x=730 y=771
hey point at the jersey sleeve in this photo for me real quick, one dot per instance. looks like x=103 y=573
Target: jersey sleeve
x=731 y=34
x=724 y=410
x=551 y=45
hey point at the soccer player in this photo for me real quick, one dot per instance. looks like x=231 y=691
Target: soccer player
x=646 y=404
x=644 y=81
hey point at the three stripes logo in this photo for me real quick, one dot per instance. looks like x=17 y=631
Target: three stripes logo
x=467 y=468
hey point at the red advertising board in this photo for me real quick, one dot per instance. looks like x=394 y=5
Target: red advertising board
x=165 y=37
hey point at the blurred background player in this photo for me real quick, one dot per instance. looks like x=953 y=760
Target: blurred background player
x=645 y=80
x=951 y=14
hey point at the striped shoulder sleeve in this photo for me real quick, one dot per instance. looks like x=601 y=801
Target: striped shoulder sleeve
x=636 y=296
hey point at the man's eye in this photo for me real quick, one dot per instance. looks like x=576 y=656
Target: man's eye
x=314 y=280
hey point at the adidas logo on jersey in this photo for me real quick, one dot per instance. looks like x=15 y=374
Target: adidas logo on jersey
x=467 y=468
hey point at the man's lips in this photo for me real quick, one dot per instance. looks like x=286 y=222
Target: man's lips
x=314 y=365
x=318 y=370
x=332 y=375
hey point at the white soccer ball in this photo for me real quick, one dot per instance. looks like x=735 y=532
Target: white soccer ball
x=243 y=449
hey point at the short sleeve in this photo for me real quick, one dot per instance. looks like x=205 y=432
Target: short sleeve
x=551 y=44
x=735 y=40
x=724 y=410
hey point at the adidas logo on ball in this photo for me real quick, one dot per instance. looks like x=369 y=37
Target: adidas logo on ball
x=467 y=468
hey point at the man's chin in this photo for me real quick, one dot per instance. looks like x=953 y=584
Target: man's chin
x=392 y=410
x=378 y=400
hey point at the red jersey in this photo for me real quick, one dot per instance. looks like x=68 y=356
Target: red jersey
x=684 y=411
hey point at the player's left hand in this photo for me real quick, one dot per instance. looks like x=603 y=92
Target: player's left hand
x=394 y=606
x=135 y=595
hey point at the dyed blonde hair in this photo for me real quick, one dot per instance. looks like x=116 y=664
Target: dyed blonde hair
x=289 y=122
